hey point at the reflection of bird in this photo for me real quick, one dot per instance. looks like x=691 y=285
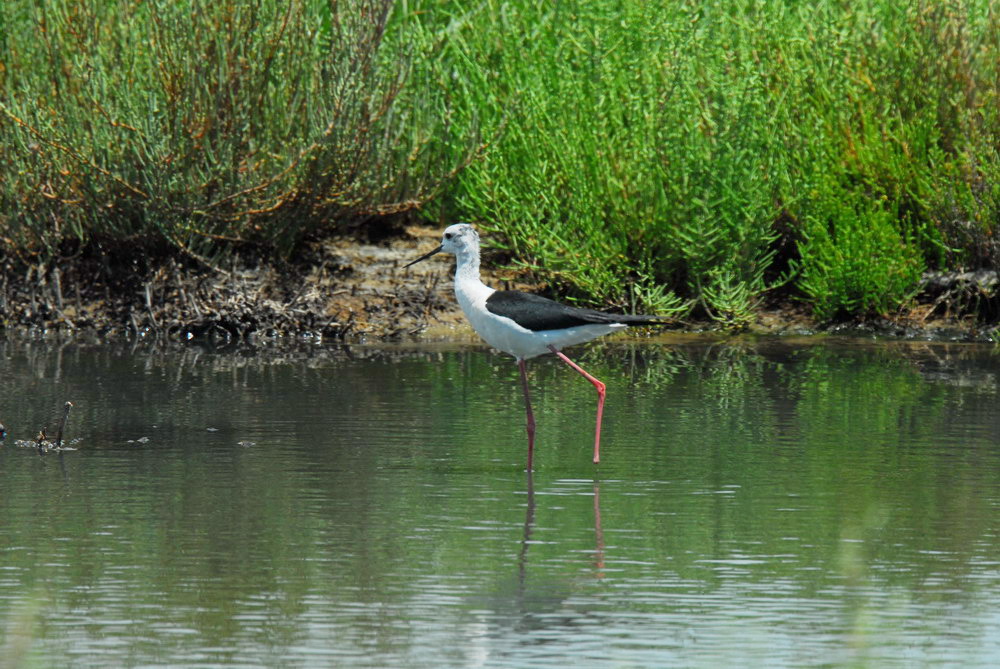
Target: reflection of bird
x=3 y=432
x=526 y=325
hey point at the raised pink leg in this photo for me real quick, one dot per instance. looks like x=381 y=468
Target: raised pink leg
x=527 y=407
x=600 y=399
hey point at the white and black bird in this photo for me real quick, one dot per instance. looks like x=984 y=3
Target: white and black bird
x=526 y=325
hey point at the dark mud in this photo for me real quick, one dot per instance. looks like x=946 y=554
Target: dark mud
x=350 y=289
x=336 y=288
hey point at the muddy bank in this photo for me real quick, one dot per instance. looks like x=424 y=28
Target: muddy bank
x=352 y=289
x=334 y=288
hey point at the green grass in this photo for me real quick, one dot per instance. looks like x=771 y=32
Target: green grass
x=678 y=157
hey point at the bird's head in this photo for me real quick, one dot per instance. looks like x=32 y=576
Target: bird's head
x=457 y=239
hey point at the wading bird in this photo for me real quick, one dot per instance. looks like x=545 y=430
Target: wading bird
x=525 y=325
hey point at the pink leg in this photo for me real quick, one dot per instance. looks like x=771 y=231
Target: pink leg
x=527 y=407
x=600 y=399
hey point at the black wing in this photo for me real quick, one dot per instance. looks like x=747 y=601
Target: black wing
x=535 y=312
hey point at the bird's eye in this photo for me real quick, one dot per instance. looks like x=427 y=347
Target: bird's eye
x=447 y=235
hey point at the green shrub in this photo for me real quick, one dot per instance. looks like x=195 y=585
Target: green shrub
x=207 y=122
x=855 y=260
x=666 y=156
x=656 y=144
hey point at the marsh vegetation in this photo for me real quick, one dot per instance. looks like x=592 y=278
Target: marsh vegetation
x=701 y=159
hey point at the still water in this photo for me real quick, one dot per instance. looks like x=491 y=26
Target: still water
x=760 y=503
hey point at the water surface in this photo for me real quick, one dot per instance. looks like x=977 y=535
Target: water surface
x=760 y=503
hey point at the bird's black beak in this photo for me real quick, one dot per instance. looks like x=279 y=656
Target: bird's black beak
x=424 y=257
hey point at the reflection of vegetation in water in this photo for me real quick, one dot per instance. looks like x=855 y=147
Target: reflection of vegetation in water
x=850 y=426
x=811 y=471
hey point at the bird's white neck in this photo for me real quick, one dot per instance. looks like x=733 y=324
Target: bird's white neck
x=467 y=266
x=470 y=291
